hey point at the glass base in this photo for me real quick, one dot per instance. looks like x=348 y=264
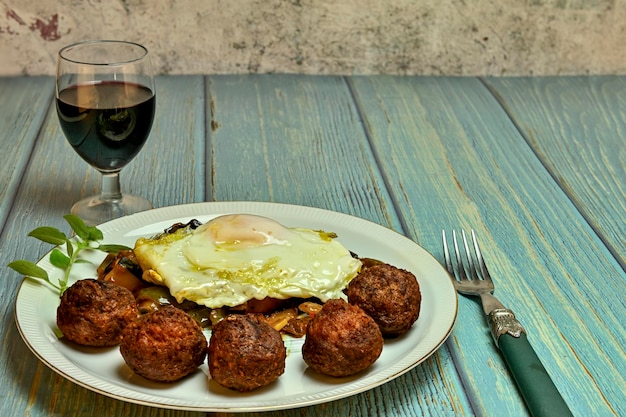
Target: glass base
x=95 y=210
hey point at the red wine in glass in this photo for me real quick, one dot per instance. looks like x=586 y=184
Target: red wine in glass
x=106 y=104
x=107 y=123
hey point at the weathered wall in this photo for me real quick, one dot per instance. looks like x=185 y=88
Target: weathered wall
x=443 y=37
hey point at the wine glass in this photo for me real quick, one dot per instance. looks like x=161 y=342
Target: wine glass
x=105 y=103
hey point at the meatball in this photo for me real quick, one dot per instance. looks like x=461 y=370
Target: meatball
x=341 y=340
x=245 y=352
x=94 y=313
x=164 y=345
x=390 y=295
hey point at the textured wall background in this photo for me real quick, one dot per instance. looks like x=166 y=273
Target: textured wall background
x=442 y=37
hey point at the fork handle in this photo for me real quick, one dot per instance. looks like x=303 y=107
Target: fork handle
x=540 y=394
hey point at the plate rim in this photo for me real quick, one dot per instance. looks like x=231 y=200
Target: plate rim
x=203 y=209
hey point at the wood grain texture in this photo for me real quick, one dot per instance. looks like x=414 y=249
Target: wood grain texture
x=169 y=170
x=452 y=158
x=56 y=177
x=577 y=128
x=414 y=154
x=305 y=137
x=300 y=140
x=26 y=101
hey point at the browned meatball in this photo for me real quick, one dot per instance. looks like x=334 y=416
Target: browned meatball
x=341 y=340
x=94 y=313
x=245 y=352
x=390 y=295
x=165 y=345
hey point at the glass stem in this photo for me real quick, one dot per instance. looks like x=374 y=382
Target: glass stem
x=111 y=189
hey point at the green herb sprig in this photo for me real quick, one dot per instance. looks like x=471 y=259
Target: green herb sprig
x=87 y=238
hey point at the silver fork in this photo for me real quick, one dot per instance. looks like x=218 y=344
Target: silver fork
x=470 y=277
x=479 y=281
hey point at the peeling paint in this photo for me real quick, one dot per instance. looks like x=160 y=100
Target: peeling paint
x=404 y=37
x=11 y=14
x=48 y=31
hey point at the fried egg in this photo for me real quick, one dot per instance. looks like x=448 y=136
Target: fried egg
x=235 y=258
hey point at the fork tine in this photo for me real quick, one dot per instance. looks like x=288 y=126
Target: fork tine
x=446 y=253
x=479 y=258
x=470 y=259
x=459 y=261
x=471 y=269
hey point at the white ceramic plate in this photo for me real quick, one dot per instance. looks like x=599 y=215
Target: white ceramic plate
x=103 y=370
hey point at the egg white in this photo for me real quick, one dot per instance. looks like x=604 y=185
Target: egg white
x=234 y=258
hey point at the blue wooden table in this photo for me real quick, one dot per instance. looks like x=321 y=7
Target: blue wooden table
x=537 y=166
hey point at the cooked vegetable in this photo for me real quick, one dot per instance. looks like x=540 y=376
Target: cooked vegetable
x=122 y=269
x=279 y=319
x=310 y=308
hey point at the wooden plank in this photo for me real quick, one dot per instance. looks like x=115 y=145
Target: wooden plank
x=168 y=170
x=25 y=106
x=305 y=134
x=28 y=100
x=40 y=188
x=577 y=127
x=449 y=156
x=452 y=158
x=174 y=150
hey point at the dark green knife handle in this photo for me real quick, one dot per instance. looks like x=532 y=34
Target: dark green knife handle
x=541 y=396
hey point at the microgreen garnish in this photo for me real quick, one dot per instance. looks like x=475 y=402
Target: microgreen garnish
x=87 y=238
